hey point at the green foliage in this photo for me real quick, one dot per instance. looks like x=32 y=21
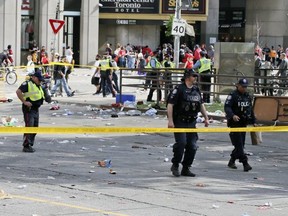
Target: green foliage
x=169 y=26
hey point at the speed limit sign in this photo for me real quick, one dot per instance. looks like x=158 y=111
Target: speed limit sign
x=178 y=27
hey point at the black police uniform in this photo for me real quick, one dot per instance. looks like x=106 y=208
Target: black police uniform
x=239 y=104
x=187 y=103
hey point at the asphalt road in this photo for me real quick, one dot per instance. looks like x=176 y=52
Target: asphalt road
x=63 y=177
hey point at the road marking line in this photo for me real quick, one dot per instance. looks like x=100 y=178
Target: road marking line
x=66 y=205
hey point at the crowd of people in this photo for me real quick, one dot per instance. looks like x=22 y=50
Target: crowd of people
x=270 y=59
x=143 y=57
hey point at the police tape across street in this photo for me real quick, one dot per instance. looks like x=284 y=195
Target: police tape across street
x=92 y=130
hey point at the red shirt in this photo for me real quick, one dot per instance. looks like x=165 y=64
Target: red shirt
x=189 y=64
x=197 y=54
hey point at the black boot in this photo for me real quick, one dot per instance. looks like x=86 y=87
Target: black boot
x=186 y=172
x=175 y=170
x=231 y=163
x=246 y=166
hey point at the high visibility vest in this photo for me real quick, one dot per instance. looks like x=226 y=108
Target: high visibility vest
x=172 y=64
x=205 y=65
x=35 y=92
x=157 y=63
x=104 y=64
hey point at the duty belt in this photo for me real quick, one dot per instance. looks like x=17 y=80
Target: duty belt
x=187 y=119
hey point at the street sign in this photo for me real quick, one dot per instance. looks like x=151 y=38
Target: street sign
x=178 y=27
x=56 y=25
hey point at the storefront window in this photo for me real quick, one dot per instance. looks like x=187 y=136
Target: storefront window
x=27 y=24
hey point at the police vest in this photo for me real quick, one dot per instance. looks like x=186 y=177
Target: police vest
x=35 y=92
x=104 y=64
x=205 y=65
x=157 y=63
x=189 y=103
x=172 y=64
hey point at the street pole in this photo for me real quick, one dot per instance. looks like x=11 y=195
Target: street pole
x=176 y=37
x=53 y=42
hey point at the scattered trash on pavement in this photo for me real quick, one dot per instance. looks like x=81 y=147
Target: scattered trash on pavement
x=55 y=107
x=214 y=206
x=133 y=113
x=105 y=163
x=112 y=171
x=22 y=186
x=8 y=121
x=50 y=178
x=151 y=112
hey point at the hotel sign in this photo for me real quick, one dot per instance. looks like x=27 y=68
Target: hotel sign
x=129 y=6
x=188 y=6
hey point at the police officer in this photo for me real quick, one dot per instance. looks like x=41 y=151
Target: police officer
x=105 y=75
x=32 y=95
x=204 y=69
x=184 y=103
x=239 y=113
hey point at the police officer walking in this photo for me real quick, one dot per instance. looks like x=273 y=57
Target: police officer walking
x=239 y=113
x=32 y=95
x=184 y=103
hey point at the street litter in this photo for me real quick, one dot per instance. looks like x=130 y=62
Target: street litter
x=22 y=186
x=166 y=159
x=200 y=185
x=105 y=163
x=215 y=206
x=131 y=104
x=50 y=178
x=91 y=171
x=8 y=121
x=64 y=141
x=112 y=171
x=3 y=195
x=84 y=148
x=151 y=112
x=55 y=107
x=135 y=146
x=134 y=113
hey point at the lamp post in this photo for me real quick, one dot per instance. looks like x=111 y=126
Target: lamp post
x=177 y=37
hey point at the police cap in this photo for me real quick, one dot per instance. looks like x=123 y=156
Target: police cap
x=190 y=72
x=243 y=82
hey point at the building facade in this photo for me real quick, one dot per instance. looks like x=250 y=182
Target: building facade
x=91 y=24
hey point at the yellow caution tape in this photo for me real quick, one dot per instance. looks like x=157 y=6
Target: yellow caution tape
x=92 y=130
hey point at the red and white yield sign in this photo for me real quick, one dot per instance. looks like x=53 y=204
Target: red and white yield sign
x=56 y=25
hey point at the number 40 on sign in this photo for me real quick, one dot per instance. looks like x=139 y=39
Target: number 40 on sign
x=178 y=27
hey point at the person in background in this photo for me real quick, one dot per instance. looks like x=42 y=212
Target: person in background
x=59 y=76
x=204 y=69
x=184 y=103
x=239 y=113
x=30 y=65
x=96 y=76
x=10 y=54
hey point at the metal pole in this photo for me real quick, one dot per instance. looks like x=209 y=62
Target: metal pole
x=176 y=37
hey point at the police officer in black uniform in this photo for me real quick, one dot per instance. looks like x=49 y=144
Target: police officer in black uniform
x=239 y=113
x=32 y=95
x=184 y=103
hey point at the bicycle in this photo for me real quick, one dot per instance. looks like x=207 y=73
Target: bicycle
x=10 y=74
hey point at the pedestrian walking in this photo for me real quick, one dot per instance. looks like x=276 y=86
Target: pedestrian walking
x=59 y=76
x=32 y=95
x=239 y=113
x=184 y=103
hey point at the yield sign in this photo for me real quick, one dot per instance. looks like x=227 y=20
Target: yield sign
x=56 y=25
